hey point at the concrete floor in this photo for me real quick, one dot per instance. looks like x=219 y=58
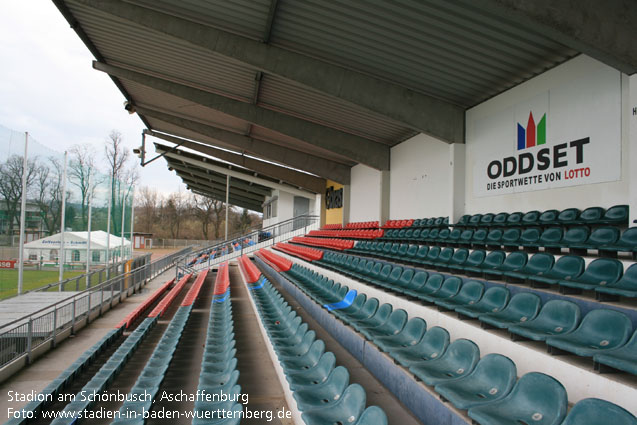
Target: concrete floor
x=46 y=368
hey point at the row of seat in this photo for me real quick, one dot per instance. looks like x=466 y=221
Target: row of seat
x=321 y=390
x=616 y=215
x=603 y=334
x=348 y=233
x=163 y=305
x=353 y=225
x=106 y=374
x=608 y=241
x=141 y=308
x=397 y=224
x=486 y=386
x=219 y=374
x=307 y=254
x=605 y=276
x=337 y=244
x=50 y=393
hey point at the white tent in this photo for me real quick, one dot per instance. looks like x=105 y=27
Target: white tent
x=47 y=249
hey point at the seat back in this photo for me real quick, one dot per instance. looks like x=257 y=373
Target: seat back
x=373 y=415
x=604 y=328
x=568 y=265
x=561 y=315
x=530 y=218
x=449 y=287
x=474 y=221
x=511 y=235
x=591 y=215
x=454 y=235
x=466 y=236
x=411 y=251
x=463 y=220
x=445 y=255
x=514 y=219
x=602 y=271
x=617 y=214
x=568 y=216
x=500 y=219
x=629 y=237
x=369 y=308
x=459 y=256
x=496 y=374
x=548 y=217
x=514 y=261
x=396 y=321
x=540 y=263
x=463 y=354
x=470 y=292
x=576 y=235
x=434 y=282
x=593 y=411
x=487 y=219
x=434 y=343
x=419 y=279
x=384 y=272
x=414 y=329
x=402 y=250
x=433 y=253
x=443 y=234
x=394 y=276
x=530 y=235
x=378 y=266
x=480 y=235
x=494 y=236
x=475 y=258
x=494 y=259
x=433 y=234
x=422 y=252
x=629 y=278
x=405 y=277
x=347 y=409
x=603 y=236
x=524 y=305
x=495 y=298
x=552 y=235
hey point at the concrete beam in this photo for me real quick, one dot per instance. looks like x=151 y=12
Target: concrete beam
x=293 y=177
x=212 y=187
x=269 y=151
x=356 y=148
x=222 y=198
x=214 y=178
x=239 y=175
x=416 y=110
x=604 y=31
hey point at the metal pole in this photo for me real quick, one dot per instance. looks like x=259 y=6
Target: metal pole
x=88 y=232
x=23 y=208
x=121 y=251
x=62 y=221
x=227 y=197
x=108 y=231
x=132 y=221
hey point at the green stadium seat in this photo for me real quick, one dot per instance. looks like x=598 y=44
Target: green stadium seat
x=474 y=221
x=511 y=238
x=415 y=235
x=491 y=380
x=325 y=393
x=530 y=238
x=557 y=317
x=432 y=256
x=365 y=312
x=402 y=252
x=458 y=360
x=487 y=220
x=491 y=262
x=600 y=272
x=531 y=218
x=514 y=219
x=404 y=280
x=494 y=238
x=454 y=237
x=479 y=237
x=306 y=360
x=409 y=336
x=408 y=234
x=493 y=300
x=421 y=255
x=431 y=346
x=599 y=237
x=548 y=218
x=535 y=399
x=568 y=216
x=380 y=317
x=410 y=255
x=357 y=304
x=347 y=409
x=465 y=238
x=592 y=215
x=316 y=374
x=500 y=219
x=474 y=259
x=424 y=234
x=593 y=411
x=469 y=294
x=626 y=243
x=601 y=330
x=432 y=236
x=448 y=289
x=443 y=259
x=392 y=326
x=433 y=284
x=622 y=358
x=460 y=255
x=624 y=287
x=373 y=415
x=567 y=266
x=442 y=237
x=551 y=239
x=616 y=215
x=513 y=262
x=523 y=307
x=417 y=282
x=463 y=221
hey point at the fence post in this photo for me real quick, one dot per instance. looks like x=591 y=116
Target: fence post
x=102 y=300
x=29 y=339
x=88 y=308
x=73 y=318
x=55 y=325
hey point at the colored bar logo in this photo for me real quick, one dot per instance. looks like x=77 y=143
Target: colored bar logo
x=532 y=135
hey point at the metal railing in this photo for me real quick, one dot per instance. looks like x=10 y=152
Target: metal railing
x=248 y=242
x=19 y=338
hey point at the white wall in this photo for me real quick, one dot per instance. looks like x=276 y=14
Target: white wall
x=420 y=184
x=584 y=97
x=365 y=194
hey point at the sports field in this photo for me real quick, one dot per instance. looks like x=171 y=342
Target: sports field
x=32 y=279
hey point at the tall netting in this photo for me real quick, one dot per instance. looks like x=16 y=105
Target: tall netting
x=88 y=193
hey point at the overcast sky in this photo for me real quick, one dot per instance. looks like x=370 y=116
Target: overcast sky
x=48 y=88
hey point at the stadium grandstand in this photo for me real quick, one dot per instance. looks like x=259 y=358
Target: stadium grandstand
x=449 y=199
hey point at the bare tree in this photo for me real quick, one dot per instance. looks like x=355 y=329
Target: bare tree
x=49 y=193
x=208 y=211
x=150 y=202
x=81 y=166
x=174 y=212
x=11 y=186
x=123 y=176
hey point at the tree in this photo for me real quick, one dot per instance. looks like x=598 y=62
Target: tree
x=81 y=166
x=11 y=186
x=149 y=200
x=208 y=211
x=173 y=213
x=49 y=193
x=244 y=221
x=123 y=176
